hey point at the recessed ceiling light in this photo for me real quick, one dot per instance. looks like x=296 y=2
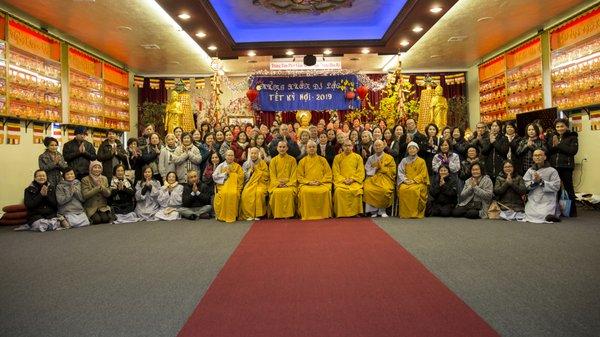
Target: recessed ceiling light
x=327 y=52
x=212 y=47
x=404 y=43
x=354 y=59
x=417 y=29
x=485 y=18
x=124 y=28
x=184 y=16
x=289 y=52
x=436 y=9
x=201 y=34
x=175 y=62
x=252 y=53
x=252 y=61
x=365 y=51
x=434 y=56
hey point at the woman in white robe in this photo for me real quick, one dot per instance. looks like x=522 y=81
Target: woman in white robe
x=169 y=198
x=147 y=191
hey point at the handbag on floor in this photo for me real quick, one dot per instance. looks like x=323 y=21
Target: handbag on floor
x=564 y=204
x=494 y=211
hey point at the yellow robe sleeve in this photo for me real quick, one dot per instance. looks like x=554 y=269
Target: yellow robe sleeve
x=422 y=176
x=327 y=174
x=387 y=166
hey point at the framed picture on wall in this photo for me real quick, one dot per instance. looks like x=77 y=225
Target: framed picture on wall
x=240 y=120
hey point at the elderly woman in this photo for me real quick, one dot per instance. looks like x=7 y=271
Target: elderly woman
x=412 y=181
x=70 y=200
x=96 y=192
x=476 y=195
x=122 y=196
x=41 y=204
x=229 y=179
x=51 y=161
x=146 y=194
x=186 y=157
x=166 y=163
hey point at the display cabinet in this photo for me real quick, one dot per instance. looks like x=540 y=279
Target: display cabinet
x=492 y=90
x=524 y=78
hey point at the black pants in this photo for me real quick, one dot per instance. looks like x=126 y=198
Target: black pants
x=566 y=176
x=441 y=210
x=465 y=212
x=101 y=217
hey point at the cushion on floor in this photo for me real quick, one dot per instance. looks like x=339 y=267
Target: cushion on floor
x=14 y=216
x=14 y=208
x=12 y=222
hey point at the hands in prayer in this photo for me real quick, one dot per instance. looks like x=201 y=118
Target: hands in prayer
x=348 y=181
x=195 y=187
x=44 y=190
x=81 y=147
x=555 y=141
x=536 y=177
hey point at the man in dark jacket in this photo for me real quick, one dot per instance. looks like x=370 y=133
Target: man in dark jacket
x=40 y=200
x=284 y=135
x=494 y=148
x=78 y=153
x=111 y=153
x=413 y=135
x=195 y=198
x=563 y=146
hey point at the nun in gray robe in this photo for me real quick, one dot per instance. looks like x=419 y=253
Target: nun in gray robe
x=541 y=197
x=147 y=200
x=170 y=202
x=70 y=199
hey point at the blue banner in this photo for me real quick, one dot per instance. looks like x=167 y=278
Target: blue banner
x=304 y=93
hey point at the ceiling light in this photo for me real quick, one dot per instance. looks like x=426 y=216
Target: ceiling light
x=354 y=59
x=404 y=43
x=212 y=47
x=289 y=52
x=485 y=18
x=124 y=28
x=184 y=16
x=201 y=34
x=365 y=51
x=436 y=9
x=175 y=63
x=252 y=53
x=435 y=56
x=417 y=29
x=327 y=52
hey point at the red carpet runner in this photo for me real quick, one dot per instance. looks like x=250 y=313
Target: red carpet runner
x=328 y=278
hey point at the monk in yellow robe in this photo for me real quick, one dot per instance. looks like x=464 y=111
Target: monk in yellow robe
x=348 y=175
x=379 y=185
x=282 y=184
x=413 y=182
x=229 y=179
x=254 y=195
x=314 y=181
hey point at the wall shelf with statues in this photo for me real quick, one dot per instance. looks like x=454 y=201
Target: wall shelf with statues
x=2 y=66
x=85 y=89
x=524 y=78
x=575 y=62
x=492 y=89
x=116 y=98
x=33 y=83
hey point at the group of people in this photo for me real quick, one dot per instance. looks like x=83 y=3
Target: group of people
x=283 y=171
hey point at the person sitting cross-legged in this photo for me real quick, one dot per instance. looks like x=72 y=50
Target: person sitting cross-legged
x=282 y=187
x=314 y=178
x=379 y=185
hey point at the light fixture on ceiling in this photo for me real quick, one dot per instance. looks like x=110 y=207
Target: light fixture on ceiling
x=327 y=52
x=184 y=16
x=417 y=29
x=212 y=47
x=124 y=28
x=289 y=52
x=436 y=9
x=435 y=56
x=251 y=53
x=404 y=43
x=485 y=18
x=175 y=63
x=365 y=51
x=201 y=34
x=355 y=59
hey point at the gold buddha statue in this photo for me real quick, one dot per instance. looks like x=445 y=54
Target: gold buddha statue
x=173 y=113
x=439 y=108
x=303 y=117
x=425 y=107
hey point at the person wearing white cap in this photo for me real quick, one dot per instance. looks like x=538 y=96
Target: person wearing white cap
x=413 y=182
x=379 y=185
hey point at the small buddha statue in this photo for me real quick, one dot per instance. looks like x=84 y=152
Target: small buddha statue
x=173 y=113
x=303 y=117
x=439 y=108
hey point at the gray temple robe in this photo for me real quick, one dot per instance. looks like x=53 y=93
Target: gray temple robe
x=147 y=204
x=541 y=198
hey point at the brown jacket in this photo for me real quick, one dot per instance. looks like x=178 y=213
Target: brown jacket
x=95 y=196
